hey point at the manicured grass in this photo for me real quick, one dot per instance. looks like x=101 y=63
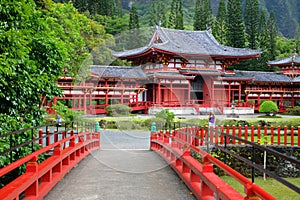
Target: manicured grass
x=273 y=187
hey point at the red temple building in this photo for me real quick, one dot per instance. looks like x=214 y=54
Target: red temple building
x=184 y=71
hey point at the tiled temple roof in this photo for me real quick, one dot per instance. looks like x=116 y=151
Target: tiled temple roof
x=213 y=72
x=297 y=79
x=257 y=76
x=171 y=75
x=185 y=42
x=293 y=59
x=122 y=72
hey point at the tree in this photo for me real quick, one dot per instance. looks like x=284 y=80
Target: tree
x=203 y=15
x=219 y=27
x=134 y=18
x=236 y=30
x=179 y=17
x=272 y=34
x=37 y=45
x=175 y=19
x=252 y=22
x=32 y=58
x=197 y=16
x=263 y=44
x=157 y=13
x=101 y=7
x=268 y=107
x=166 y=115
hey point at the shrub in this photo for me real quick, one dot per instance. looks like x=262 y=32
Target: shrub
x=295 y=110
x=166 y=115
x=268 y=107
x=118 y=109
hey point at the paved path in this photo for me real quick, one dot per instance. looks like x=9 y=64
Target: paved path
x=122 y=169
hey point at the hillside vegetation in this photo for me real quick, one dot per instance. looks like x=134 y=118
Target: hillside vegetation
x=286 y=12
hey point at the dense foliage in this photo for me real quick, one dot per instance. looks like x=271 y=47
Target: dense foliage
x=40 y=41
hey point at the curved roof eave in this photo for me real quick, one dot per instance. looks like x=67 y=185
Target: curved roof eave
x=293 y=59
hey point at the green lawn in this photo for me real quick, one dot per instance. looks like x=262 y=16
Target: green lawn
x=276 y=189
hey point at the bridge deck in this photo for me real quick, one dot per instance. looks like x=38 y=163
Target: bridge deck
x=124 y=168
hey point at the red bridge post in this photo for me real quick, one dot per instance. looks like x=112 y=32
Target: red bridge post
x=32 y=167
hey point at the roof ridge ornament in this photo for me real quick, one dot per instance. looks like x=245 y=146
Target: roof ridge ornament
x=294 y=55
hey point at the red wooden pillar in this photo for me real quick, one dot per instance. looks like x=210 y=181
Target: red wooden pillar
x=227 y=132
x=298 y=136
x=285 y=135
x=189 y=91
x=222 y=136
x=229 y=92
x=265 y=135
x=252 y=133
x=281 y=100
x=212 y=91
x=84 y=100
x=240 y=92
x=90 y=98
x=216 y=135
x=258 y=134
x=272 y=135
x=137 y=98
x=240 y=133
x=122 y=92
x=233 y=133
x=278 y=135
x=106 y=93
x=159 y=93
x=258 y=100
x=292 y=135
x=170 y=91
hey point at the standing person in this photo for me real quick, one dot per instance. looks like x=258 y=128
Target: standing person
x=211 y=119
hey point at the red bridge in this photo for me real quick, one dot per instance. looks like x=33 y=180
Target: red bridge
x=65 y=149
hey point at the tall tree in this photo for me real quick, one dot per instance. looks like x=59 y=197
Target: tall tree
x=272 y=33
x=175 y=19
x=134 y=18
x=197 y=15
x=157 y=13
x=236 y=29
x=263 y=43
x=219 y=27
x=179 y=17
x=252 y=22
x=133 y=35
x=105 y=7
x=203 y=15
x=119 y=8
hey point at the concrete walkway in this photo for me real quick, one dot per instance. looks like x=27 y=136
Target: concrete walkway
x=122 y=169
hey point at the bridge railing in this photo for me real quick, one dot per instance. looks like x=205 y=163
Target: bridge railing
x=176 y=147
x=61 y=149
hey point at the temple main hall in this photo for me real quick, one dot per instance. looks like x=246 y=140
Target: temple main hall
x=186 y=72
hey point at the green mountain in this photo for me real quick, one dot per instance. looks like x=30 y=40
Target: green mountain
x=286 y=12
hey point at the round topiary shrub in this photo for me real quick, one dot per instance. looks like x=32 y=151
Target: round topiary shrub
x=268 y=107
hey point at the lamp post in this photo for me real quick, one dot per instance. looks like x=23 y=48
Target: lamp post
x=232 y=108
